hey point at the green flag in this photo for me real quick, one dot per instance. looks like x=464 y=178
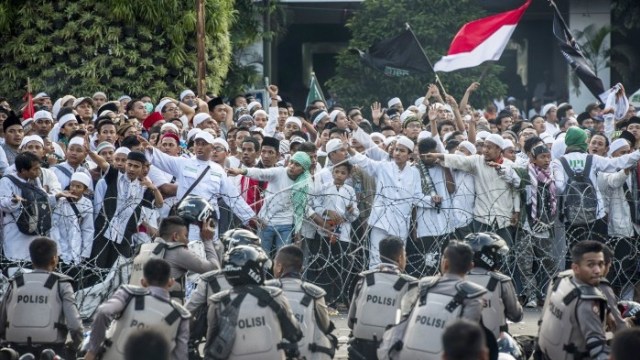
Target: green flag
x=315 y=92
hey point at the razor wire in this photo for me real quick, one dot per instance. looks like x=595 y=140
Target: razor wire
x=333 y=264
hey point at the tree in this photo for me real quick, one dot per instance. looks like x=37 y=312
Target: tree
x=435 y=22
x=141 y=47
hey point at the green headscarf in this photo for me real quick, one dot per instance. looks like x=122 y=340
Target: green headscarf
x=576 y=140
x=300 y=189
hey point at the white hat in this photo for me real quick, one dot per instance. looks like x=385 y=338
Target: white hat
x=419 y=101
x=334 y=115
x=259 y=112
x=30 y=138
x=424 y=134
x=160 y=105
x=438 y=106
x=80 y=100
x=296 y=140
x=200 y=117
x=333 y=145
x=507 y=143
x=42 y=114
x=170 y=126
x=78 y=140
x=66 y=118
x=221 y=141
x=40 y=95
x=546 y=108
x=448 y=108
x=616 y=145
x=82 y=178
x=203 y=135
x=405 y=114
x=186 y=93
x=469 y=146
x=377 y=135
x=295 y=120
x=406 y=142
x=389 y=140
x=495 y=139
x=124 y=97
x=192 y=133
x=122 y=150
x=394 y=101
x=252 y=105
x=319 y=116
x=482 y=135
x=98 y=93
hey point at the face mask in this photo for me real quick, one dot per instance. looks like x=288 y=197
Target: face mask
x=149 y=107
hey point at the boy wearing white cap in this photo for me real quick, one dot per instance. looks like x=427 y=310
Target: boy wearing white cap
x=73 y=221
x=75 y=155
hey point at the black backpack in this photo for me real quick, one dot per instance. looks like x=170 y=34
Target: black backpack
x=35 y=217
x=580 y=199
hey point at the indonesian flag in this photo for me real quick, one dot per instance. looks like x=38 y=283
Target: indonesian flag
x=29 y=109
x=481 y=40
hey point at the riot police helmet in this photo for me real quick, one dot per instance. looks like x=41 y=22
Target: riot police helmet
x=245 y=265
x=489 y=249
x=234 y=237
x=195 y=210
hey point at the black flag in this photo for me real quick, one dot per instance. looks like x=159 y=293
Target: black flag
x=571 y=51
x=401 y=55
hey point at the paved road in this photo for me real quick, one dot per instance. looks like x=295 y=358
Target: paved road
x=528 y=326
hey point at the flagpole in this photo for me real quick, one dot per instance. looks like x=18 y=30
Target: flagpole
x=426 y=57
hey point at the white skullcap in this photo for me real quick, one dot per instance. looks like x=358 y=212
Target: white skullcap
x=295 y=120
x=334 y=115
x=406 y=142
x=438 y=106
x=66 y=118
x=171 y=126
x=122 y=150
x=82 y=178
x=80 y=100
x=200 y=117
x=223 y=142
x=186 y=93
x=124 y=97
x=319 y=116
x=257 y=130
x=419 y=101
x=192 y=133
x=296 y=140
x=546 y=108
x=377 y=135
x=203 y=135
x=482 y=135
x=413 y=109
x=78 y=140
x=469 y=146
x=30 y=138
x=424 y=134
x=616 y=145
x=389 y=140
x=252 y=105
x=507 y=143
x=98 y=93
x=161 y=104
x=495 y=139
x=448 y=108
x=333 y=145
x=259 y=112
x=43 y=114
x=405 y=114
x=40 y=95
x=394 y=101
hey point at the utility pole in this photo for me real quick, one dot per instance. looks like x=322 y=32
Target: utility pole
x=201 y=63
x=266 y=50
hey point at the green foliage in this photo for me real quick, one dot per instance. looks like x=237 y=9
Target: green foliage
x=141 y=47
x=626 y=13
x=434 y=22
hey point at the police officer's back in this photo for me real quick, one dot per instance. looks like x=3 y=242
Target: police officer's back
x=573 y=317
x=501 y=301
x=171 y=246
x=251 y=320
x=39 y=308
x=435 y=303
x=377 y=298
x=136 y=308
x=307 y=303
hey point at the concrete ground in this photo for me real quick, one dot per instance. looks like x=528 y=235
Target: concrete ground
x=528 y=326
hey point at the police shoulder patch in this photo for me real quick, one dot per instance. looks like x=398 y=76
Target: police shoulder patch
x=217 y=297
x=365 y=273
x=273 y=291
x=314 y=291
x=409 y=278
x=470 y=289
x=62 y=277
x=591 y=293
x=135 y=290
x=211 y=274
x=273 y=282
x=499 y=276
x=184 y=313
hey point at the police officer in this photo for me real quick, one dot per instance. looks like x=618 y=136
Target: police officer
x=377 y=298
x=428 y=308
x=211 y=283
x=38 y=310
x=134 y=308
x=250 y=321
x=501 y=301
x=171 y=245
x=307 y=303
x=573 y=317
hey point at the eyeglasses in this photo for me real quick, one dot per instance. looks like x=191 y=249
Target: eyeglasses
x=414 y=126
x=219 y=149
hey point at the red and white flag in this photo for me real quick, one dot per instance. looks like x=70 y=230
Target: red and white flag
x=481 y=40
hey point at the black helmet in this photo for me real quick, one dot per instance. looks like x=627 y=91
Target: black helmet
x=234 y=237
x=488 y=249
x=245 y=265
x=195 y=210
x=508 y=345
